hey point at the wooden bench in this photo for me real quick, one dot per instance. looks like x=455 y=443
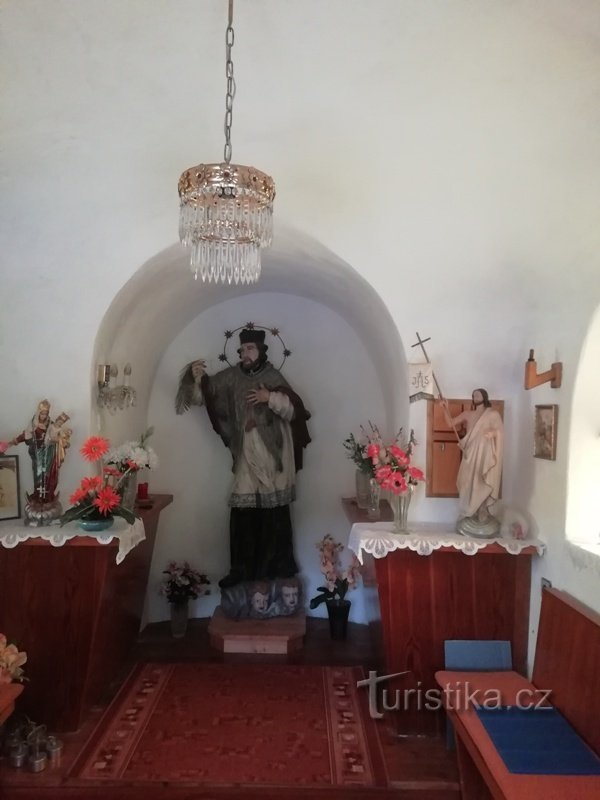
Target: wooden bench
x=567 y=661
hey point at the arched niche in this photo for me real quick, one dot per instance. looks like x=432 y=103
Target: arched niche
x=152 y=312
x=161 y=298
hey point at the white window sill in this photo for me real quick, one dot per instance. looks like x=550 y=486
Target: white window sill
x=584 y=554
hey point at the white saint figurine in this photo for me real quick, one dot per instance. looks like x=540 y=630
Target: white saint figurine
x=480 y=471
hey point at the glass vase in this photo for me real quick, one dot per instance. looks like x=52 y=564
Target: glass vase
x=400 y=504
x=129 y=490
x=362 y=489
x=179 y=619
x=373 y=510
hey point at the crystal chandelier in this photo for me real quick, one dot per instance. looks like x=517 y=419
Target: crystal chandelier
x=226 y=210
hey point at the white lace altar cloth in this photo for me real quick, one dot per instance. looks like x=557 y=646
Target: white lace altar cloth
x=379 y=539
x=128 y=536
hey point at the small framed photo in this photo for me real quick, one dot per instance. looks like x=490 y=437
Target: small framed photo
x=544 y=437
x=10 y=494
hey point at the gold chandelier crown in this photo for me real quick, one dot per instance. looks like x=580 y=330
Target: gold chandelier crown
x=226 y=210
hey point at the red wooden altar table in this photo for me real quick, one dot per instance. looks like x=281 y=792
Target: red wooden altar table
x=430 y=592
x=76 y=613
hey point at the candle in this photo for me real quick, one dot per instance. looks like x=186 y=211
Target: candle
x=36 y=761
x=54 y=748
x=18 y=754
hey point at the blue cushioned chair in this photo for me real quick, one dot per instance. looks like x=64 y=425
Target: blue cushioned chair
x=475 y=655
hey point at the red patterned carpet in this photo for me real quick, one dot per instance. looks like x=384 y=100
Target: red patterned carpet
x=224 y=724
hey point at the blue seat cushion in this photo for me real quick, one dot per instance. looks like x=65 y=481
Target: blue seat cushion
x=538 y=741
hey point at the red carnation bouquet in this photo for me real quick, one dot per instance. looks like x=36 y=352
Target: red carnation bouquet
x=98 y=496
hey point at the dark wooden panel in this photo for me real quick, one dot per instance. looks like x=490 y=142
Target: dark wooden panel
x=449 y=595
x=439 y=421
x=43 y=608
x=567 y=660
x=76 y=613
x=446 y=458
x=8 y=694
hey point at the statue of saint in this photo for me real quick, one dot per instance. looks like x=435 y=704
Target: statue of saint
x=47 y=441
x=263 y=423
x=480 y=471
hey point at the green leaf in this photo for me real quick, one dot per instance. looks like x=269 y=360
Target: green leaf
x=145 y=436
x=337 y=593
x=339 y=589
x=121 y=511
x=73 y=513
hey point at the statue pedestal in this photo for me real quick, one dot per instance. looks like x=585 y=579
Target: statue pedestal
x=471 y=526
x=279 y=635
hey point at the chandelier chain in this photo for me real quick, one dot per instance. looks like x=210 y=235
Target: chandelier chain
x=226 y=209
x=229 y=40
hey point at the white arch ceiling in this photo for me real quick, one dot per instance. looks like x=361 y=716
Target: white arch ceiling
x=162 y=297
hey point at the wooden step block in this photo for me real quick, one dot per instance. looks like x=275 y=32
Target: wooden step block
x=277 y=635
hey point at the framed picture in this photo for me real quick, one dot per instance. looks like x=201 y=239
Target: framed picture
x=10 y=494
x=544 y=437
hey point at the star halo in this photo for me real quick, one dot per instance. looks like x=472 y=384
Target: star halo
x=229 y=334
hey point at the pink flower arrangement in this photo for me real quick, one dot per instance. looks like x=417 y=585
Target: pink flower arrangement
x=338 y=580
x=330 y=563
x=391 y=465
x=183 y=583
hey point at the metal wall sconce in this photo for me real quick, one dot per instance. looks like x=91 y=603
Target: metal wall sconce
x=533 y=378
x=114 y=397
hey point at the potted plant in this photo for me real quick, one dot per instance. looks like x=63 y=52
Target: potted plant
x=333 y=594
x=182 y=584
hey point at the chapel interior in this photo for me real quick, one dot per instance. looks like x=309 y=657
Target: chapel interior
x=435 y=230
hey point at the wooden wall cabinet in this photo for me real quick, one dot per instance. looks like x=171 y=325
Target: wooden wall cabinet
x=443 y=453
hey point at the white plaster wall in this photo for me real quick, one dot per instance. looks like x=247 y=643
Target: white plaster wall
x=583 y=499
x=543 y=489
x=536 y=487
x=448 y=151
x=333 y=373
